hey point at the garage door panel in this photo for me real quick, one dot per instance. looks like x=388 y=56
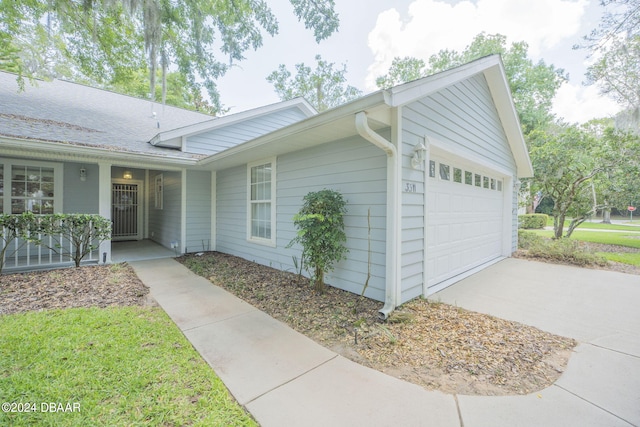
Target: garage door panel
x=464 y=225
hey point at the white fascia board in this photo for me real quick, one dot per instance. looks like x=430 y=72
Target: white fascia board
x=218 y=122
x=417 y=89
x=499 y=88
x=16 y=147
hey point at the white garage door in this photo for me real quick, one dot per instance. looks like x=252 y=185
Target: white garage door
x=464 y=220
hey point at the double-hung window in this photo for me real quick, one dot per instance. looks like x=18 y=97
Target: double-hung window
x=261 y=205
x=27 y=186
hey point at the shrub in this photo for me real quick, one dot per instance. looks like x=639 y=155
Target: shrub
x=14 y=227
x=72 y=235
x=526 y=239
x=320 y=224
x=84 y=231
x=532 y=221
x=565 y=251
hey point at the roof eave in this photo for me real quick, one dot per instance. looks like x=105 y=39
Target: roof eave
x=20 y=147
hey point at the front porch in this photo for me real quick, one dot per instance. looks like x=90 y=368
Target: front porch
x=31 y=258
x=139 y=250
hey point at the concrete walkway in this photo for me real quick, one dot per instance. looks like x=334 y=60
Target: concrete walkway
x=285 y=379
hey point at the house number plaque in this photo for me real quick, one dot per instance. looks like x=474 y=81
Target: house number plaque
x=410 y=187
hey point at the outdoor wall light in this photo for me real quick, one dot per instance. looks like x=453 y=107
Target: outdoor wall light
x=419 y=152
x=127 y=175
x=517 y=185
x=83 y=174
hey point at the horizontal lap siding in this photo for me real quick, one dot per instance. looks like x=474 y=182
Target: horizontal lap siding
x=353 y=167
x=164 y=224
x=229 y=136
x=412 y=239
x=198 y=211
x=465 y=117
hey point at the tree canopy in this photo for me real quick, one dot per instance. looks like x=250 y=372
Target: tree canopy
x=615 y=46
x=105 y=41
x=533 y=85
x=324 y=87
x=583 y=169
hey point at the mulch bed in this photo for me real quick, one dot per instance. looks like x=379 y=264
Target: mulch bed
x=91 y=286
x=435 y=345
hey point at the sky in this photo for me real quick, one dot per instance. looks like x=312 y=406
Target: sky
x=373 y=32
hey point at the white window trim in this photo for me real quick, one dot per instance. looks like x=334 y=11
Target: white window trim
x=158 y=198
x=58 y=176
x=259 y=240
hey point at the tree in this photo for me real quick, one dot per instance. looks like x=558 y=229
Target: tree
x=533 y=85
x=323 y=87
x=573 y=162
x=179 y=92
x=320 y=224
x=105 y=39
x=615 y=44
x=402 y=70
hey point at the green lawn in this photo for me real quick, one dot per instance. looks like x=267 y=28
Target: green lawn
x=120 y=366
x=601 y=226
x=614 y=238
x=631 y=240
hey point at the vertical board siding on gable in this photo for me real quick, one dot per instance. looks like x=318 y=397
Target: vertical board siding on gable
x=198 y=211
x=164 y=224
x=229 y=136
x=465 y=117
x=353 y=167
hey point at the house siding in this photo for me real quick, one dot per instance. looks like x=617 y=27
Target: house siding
x=464 y=117
x=353 y=167
x=198 y=211
x=218 y=140
x=80 y=196
x=164 y=224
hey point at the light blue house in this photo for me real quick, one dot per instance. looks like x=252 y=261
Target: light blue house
x=433 y=163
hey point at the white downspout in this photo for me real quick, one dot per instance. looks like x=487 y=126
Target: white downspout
x=393 y=200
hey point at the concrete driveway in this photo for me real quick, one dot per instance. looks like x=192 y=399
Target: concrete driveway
x=600 y=309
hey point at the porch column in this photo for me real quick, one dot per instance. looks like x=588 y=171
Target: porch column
x=104 y=206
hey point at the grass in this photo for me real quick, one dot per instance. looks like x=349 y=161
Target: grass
x=617 y=238
x=122 y=366
x=614 y=238
x=601 y=226
x=624 y=258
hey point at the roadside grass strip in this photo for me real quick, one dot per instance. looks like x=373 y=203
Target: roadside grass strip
x=116 y=366
x=624 y=258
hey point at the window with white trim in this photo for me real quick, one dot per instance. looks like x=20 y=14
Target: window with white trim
x=261 y=207
x=159 y=192
x=30 y=187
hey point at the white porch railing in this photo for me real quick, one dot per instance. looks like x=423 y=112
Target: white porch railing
x=21 y=254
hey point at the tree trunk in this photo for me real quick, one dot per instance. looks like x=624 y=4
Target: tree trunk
x=319 y=281
x=558 y=224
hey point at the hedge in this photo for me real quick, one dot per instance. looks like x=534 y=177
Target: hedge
x=532 y=221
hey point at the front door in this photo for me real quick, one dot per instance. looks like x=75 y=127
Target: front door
x=126 y=210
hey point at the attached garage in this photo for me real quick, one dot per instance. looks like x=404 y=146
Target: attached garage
x=465 y=219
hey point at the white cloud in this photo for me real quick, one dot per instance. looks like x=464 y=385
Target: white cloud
x=433 y=25
x=576 y=103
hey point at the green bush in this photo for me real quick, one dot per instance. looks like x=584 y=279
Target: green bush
x=320 y=224
x=526 y=239
x=563 y=250
x=71 y=235
x=533 y=221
